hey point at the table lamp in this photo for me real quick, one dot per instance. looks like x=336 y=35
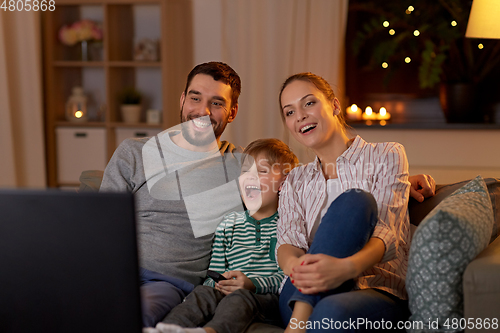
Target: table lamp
x=484 y=19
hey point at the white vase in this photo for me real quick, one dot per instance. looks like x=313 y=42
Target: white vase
x=131 y=113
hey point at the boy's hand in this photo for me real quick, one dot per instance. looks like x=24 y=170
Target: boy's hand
x=235 y=280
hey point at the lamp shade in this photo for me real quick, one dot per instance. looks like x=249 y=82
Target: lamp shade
x=484 y=19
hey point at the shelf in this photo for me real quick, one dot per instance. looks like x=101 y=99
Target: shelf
x=66 y=63
x=80 y=124
x=134 y=64
x=426 y=126
x=135 y=125
x=70 y=63
x=125 y=24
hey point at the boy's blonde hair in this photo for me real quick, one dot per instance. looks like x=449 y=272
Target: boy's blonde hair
x=276 y=152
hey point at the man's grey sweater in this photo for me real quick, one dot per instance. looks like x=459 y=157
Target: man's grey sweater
x=163 y=181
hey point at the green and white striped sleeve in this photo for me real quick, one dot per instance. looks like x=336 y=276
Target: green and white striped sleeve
x=218 y=257
x=268 y=284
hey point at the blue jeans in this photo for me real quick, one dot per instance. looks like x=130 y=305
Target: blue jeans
x=344 y=230
x=159 y=295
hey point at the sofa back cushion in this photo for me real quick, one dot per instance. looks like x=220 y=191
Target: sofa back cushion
x=419 y=210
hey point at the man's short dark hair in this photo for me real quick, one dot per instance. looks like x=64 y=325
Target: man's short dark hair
x=220 y=72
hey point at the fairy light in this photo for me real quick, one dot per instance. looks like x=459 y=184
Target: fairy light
x=385 y=24
x=453 y=23
x=78 y=114
x=368 y=110
x=416 y=33
x=385 y=65
x=354 y=108
x=480 y=46
x=407 y=60
x=383 y=111
x=392 y=32
x=411 y=8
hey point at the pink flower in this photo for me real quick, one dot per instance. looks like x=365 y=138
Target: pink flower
x=68 y=36
x=80 y=31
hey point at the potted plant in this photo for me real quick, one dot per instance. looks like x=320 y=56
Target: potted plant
x=431 y=32
x=130 y=100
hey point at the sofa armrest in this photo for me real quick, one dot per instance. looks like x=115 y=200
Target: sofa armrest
x=90 y=180
x=481 y=282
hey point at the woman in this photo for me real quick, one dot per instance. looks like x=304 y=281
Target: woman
x=343 y=234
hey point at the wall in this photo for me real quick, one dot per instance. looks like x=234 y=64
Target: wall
x=447 y=155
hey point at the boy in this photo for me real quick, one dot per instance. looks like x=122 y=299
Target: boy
x=243 y=251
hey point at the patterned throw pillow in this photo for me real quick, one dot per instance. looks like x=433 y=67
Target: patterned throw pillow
x=449 y=237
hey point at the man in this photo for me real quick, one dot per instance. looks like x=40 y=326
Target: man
x=192 y=155
x=181 y=179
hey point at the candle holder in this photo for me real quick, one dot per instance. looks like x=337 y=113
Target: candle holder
x=76 y=107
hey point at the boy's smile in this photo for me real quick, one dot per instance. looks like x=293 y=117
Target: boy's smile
x=259 y=183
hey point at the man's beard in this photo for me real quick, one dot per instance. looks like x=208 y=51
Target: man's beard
x=204 y=138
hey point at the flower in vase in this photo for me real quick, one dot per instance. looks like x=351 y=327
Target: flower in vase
x=68 y=36
x=84 y=30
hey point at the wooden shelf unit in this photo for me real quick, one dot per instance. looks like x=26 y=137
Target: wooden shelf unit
x=64 y=69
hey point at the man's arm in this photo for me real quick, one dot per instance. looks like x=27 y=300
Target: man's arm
x=119 y=171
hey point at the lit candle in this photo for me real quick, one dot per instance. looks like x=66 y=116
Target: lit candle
x=383 y=114
x=368 y=114
x=353 y=112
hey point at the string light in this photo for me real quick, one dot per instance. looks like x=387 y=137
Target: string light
x=392 y=32
x=407 y=60
x=480 y=46
x=416 y=33
x=411 y=8
x=385 y=65
x=385 y=24
x=453 y=23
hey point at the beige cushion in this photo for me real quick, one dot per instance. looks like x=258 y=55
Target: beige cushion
x=481 y=285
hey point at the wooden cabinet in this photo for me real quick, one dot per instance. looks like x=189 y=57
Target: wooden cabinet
x=111 y=68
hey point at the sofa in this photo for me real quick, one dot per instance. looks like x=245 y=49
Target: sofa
x=479 y=275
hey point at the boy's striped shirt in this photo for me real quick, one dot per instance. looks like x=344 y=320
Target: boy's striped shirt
x=244 y=244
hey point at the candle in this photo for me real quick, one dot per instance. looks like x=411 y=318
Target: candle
x=383 y=114
x=368 y=114
x=353 y=113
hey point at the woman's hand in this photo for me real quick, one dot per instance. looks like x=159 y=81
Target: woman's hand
x=235 y=280
x=320 y=272
x=422 y=186
x=289 y=257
